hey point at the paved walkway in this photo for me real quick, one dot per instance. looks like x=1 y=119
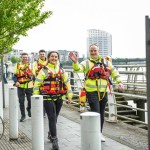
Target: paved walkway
x=68 y=135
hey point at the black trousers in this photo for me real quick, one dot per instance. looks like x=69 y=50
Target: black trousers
x=21 y=95
x=96 y=105
x=52 y=109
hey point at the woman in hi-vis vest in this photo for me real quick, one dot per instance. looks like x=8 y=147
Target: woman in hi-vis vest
x=52 y=82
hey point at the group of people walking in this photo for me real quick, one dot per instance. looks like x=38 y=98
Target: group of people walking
x=46 y=77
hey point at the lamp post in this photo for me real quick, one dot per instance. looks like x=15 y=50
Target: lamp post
x=147 y=30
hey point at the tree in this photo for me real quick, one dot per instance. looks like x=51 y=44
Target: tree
x=16 y=18
x=14 y=59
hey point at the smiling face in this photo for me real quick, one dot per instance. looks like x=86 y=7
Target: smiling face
x=42 y=55
x=24 y=58
x=53 y=58
x=94 y=52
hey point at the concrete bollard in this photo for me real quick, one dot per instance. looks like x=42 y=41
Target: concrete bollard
x=6 y=91
x=13 y=113
x=1 y=101
x=90 y=131
x=37 y=122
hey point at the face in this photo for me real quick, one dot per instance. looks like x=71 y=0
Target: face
x=53 y=59
x=24 y=58
x=94 y=52
x=42 y=55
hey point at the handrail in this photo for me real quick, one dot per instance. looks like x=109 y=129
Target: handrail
x=132 y=95
x=130 y=119
x=129 y=107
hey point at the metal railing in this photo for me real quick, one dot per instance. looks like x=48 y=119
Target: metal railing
x=112 y=104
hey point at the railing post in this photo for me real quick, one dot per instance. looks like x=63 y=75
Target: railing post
x=13 y=113
x=112 y=108
x=37 y=122
x=90 y=131
x=1 y=101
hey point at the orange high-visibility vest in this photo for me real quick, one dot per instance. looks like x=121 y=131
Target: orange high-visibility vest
x=53 y=85
x=25 y=74
x=39 y=66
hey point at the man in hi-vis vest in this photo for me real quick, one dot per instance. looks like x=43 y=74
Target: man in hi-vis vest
x=38 y=65
x=23 y=81
x=97 y=71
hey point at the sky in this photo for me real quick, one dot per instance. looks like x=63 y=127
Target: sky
x=67 y=28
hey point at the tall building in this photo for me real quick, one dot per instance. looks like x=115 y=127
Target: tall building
x=102 y=39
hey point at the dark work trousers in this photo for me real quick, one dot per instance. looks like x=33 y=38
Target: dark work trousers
x=4 y=78
x=21 y=95
x=52 y=109
x=96 y=105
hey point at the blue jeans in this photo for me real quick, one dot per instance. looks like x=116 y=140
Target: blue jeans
x=96 y=105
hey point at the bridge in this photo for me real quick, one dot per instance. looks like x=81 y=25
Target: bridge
x=125 y=126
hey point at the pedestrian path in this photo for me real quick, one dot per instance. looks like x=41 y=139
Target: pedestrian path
x=68 y=135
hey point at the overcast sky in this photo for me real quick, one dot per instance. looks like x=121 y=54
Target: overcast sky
x=67 y=27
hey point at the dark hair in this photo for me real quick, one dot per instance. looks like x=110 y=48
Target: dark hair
x=42 y=50
x=24 y=54
x=51 y=53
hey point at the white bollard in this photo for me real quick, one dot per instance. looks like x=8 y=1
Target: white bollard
x=1 y=101
x=13 y=113
x=6 y=91
x=37 y=122
x=90 y=131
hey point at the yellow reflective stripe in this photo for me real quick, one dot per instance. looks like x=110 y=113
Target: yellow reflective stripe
x=36 y=88
x=83 y=67
x=45 y=71
x=94 y=86
x=116 y=77
x=39 y=80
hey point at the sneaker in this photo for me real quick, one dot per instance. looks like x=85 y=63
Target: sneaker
x=102 y=138
x=55 y=144
x=29 y=111
x=22 y=118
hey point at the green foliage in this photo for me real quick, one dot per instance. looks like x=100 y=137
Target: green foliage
x=16 y=18
x=15 y=59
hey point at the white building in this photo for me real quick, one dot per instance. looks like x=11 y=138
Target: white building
x=102 y=39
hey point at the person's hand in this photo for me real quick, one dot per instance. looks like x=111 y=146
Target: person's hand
x=73 y=57
x=69 y=101
x=17 y=84
x=120 y=87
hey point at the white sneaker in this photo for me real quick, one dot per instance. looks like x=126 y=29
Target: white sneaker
x=102 y=138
